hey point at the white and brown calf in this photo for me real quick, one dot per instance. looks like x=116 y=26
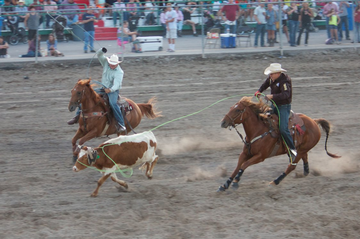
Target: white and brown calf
x=126 y=151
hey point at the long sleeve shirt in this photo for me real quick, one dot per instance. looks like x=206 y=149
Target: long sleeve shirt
x=281 y=89
x=112 y=79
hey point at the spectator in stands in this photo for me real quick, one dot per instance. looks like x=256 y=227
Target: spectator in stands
x=171 y=34
x=179 y=21
x=100 y=4
x=52 y=46
x=88 y=20
x=32 y=47
x=232 y=13
x=187 y=11
x=305 y=22
x=21 y=9
x=31 y=22
x=3 y=48
x=124 y=34
x=284 y=18
x=50 y=8
x=260 y=18
x=119 y=9
x=149 y=12
x=327 y=9
x=271 y=17
x=357 y=24
x=72 y=14
x=8 y=10
x=293 y=14
x=163 y=20
x=343 y=14
x=109 y=4
x=334 y=21
x=134 y=14
x=37 y=8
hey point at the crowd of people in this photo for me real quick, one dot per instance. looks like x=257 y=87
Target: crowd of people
x=296 y=19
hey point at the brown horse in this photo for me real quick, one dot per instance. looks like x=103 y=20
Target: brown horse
x=260 y=143
x=93 y=120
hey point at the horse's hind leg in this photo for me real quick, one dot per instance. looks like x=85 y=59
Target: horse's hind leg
x=290 y=168
x=306 y=164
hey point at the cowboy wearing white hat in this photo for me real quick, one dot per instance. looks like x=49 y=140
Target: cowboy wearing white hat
x=281 y=94
x=112 y=77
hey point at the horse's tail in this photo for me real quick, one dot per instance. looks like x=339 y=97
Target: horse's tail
x=148 y=109
x=326 y=127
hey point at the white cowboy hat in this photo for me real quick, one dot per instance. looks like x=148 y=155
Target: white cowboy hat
x=274 y=68
x=21 y=1
x=113 y=59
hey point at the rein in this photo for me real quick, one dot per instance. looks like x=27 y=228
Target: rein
x=247 y=144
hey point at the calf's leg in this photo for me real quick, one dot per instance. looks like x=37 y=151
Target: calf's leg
x=115 y=179
x=149 y=172
x=100 y=182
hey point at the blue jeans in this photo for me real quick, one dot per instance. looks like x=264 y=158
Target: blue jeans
x=113 y=97
x=260 y=30
x=31 y=54
x=180 y=25
x=232 y=28
x=357 y=32
x=89 y=36
x=70 y=22
x=124 y=15
x=328 y=27
x=284 y=111
x=293 y=25
x=344 y=21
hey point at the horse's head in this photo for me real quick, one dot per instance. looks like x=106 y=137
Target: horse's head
x=234 y=116
x=77 y=93
x=242 y=110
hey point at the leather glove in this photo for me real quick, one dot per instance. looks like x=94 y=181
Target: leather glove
x=257 y=93
x=104 y=50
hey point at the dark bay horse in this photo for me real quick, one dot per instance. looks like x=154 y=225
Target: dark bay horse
x=260 y=144
x=93 y=121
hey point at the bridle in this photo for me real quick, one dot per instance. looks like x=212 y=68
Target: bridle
x=240 y=113
x=81 y=96
x=247 y=144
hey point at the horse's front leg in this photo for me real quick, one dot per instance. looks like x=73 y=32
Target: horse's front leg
x=89 y=135
x=242 y=165
x=78 y=135
x=241 y=160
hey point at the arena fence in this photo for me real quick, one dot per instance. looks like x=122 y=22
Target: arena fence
x=202 y=14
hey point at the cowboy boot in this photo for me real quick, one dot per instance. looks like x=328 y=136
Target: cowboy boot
x=74 y=120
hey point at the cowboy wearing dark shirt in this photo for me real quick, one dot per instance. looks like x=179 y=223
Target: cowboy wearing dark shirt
x=281 y=94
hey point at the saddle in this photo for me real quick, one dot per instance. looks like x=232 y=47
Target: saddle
x=124 y=105
x=295 y=124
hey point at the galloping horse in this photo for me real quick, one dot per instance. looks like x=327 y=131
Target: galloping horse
x=93 y=120
x=260 y=143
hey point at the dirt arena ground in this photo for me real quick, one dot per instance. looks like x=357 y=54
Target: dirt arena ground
x=40 y=196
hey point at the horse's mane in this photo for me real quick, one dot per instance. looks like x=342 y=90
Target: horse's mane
x=259 y=108
x=93 y=94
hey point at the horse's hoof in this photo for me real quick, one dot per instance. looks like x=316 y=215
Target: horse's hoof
x=235 y=185
x=306 y=173
x=74 y=158
x=221 y=189
x=272 y=183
